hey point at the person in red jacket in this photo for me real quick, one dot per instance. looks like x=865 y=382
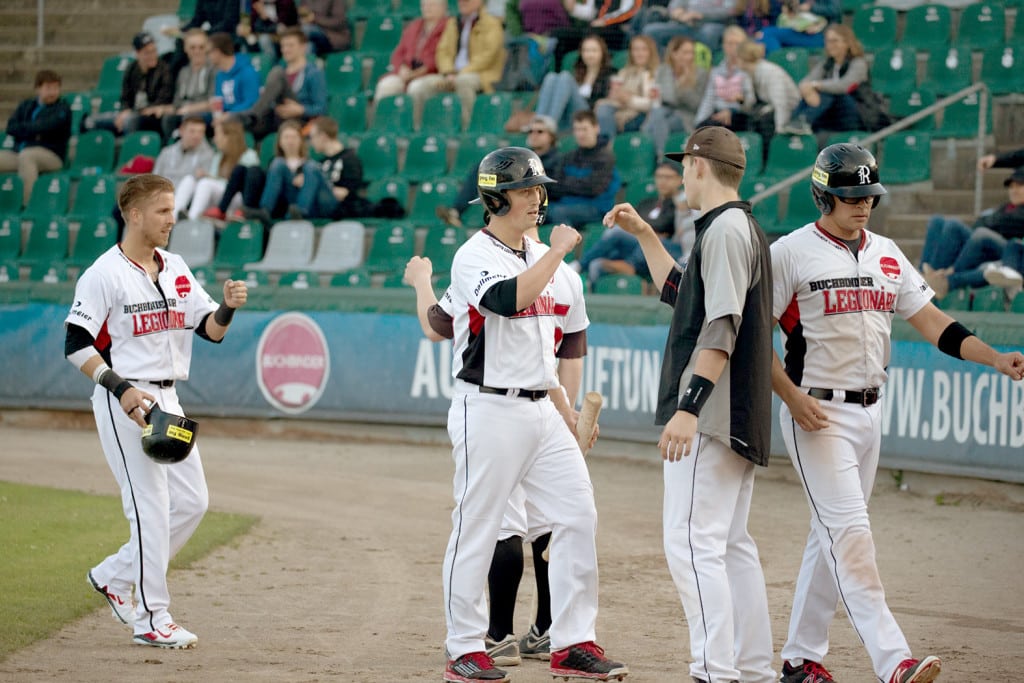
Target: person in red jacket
x=415 y=54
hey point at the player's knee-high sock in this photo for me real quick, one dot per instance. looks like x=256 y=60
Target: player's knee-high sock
x=540 y=568
x=503 y=585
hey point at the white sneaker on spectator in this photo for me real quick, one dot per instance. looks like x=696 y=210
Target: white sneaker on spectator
x=999 y=275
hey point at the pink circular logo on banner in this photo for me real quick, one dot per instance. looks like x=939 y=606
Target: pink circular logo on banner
x=890 y=266
x=183 y=286
x=292 y=363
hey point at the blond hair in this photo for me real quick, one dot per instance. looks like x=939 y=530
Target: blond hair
x=141 y=188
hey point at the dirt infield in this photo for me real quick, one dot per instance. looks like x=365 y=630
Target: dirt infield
x=340 y=580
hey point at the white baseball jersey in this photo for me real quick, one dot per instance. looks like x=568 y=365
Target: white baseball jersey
x=836 y=308
x=147 y=327
x=509 y=352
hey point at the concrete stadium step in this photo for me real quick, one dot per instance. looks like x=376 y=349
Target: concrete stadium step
x=904 y=226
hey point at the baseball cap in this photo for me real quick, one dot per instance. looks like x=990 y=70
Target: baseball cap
x=143 y=39
x=1016 y=177
x=543 y=121
x=714 y=142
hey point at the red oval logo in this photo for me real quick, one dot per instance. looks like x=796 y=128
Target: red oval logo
x=890 y=267
x=292 y=363
x=183 y=286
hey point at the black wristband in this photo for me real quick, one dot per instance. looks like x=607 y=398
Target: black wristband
x=223 y=315
x=951 y=339
x=696 y=394
x=114 y=383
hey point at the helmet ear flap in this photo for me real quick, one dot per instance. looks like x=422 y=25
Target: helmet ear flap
x=495 y=202
x=825 y=201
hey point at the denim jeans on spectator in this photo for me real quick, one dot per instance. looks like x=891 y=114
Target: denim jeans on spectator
x=560 y=98
x=659 y=124
x=707 y=32
x=606 y=122
x=834 y=112
x=776 y=37
x=280 y=191
x=316 y=198
x=1013 y=255
x=948 y=242
x=574 y=214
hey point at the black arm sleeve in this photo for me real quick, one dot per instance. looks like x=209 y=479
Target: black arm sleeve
x=201 y=330
x=76 y=338
x=574 y=345
x=501 y=298
x=440 y=322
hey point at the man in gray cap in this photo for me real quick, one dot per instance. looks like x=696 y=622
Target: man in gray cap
x=715 y=401
x=147 y=92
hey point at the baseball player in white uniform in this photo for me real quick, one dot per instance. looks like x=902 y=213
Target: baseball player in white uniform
x=137 y=309
x=837 y=287
x=509 y=423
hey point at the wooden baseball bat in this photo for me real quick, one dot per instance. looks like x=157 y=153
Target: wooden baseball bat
x=587 y=421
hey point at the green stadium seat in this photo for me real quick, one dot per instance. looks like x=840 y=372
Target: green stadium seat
x=634 y=157
x=392 y=247
x=947 y=70
x=675 y=142
x=299 y=279
x=426 y=158
x=960 y=119
x=344 y=73
x=10 y=237
x=1017 y=305
x=206 y=276
x=186 y=9
x=12 y=194
x=379 y=156
x=409 y=9
x=569 y=60
x=982 y=24
x=356 y=277
x=751 y=185
x=393 y=281
x=94 y=154
x=268 y=149
x=852 y=136
x=350 y=112
x=440 y=244
x=52 y=273
x=472 y=148
x=490 y=111
x=894 y=71
x=619 y=59
x=957 y=300
x=927 y=28
x=393 y=114
x=239 y=243
x=473 y=216
x=95 y=236
x=253 y=279
x=800 y=208
x=911 y=102
x=1017 y=37
x=442 y=115
x=619 y=284
x=6 y=142
x=193 y=240
x=95 y=197
x=47 y=241
x=1002 y=68
x=795 y=60
x=753 y=145
x=378 y=65
x=766 y=212
x=9 y=272
x=788 y=154
x=112 y=73
x=431 y=194
x=139 y=143
x=49 y=197
x=989 y=300
x=81 y=105
x=260 y=63
x=340 y=247
x=908 y=157
x=875 y=27
x=290 y=247
x=382 y=33
x=639 y=191
x=393 y=187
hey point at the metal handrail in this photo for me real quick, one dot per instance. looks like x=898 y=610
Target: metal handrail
x=900 y=125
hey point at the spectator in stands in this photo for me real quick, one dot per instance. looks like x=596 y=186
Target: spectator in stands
x=283 y=177
x=189 y=156
x=330 y=188
x=754 y=16
x=702 y=20
x=295 y=90
x=204 y=188
x=681 y=83
x=416 y=53
x=213 y=16
x=1011 y=159
x=633 y=91
x=261 y=23
x=827 y=102
x=40 y=128
x=956 y=256
x=326 y=24
x=541 y=137
x=563 y=93
x=619 y=251
x=1009 y=272
x=777 y=94
x=801 y=24
x=195 y=84
x=147 y=92
x=237 y=85
x=587 y=177
x=729 y=95
x=540 y=17
x=470 y=59
x=606 y=18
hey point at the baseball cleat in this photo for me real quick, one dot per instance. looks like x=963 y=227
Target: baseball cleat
x=535 y=645
x=170 y=636
x=586 y=661
x=808 y=672
x=121 y=606
x=917 y=670
x=473 y=666
x=504 y=652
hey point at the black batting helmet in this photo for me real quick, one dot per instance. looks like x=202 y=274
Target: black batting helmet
x=844 y=170
x=509 y=168
x=168 y=438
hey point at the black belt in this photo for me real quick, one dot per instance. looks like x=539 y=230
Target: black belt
x=868 y=397
x=162 y=383
x=532 y=394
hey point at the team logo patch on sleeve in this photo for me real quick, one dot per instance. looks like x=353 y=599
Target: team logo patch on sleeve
x=183 y=286
x=890 y=267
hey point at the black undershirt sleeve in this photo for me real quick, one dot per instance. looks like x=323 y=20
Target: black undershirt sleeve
x=440 y=321
x=76 y=338
x=501 y=298
x=574 y=345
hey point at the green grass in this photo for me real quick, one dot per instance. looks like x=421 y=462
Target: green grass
x=48 y=540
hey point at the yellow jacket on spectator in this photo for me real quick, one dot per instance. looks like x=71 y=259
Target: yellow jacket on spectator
x=486 y=49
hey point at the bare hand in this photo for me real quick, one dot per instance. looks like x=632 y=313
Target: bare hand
x=807 y=412
x=626 y=217
x=418 y=271
x=986 y=162
x=298 y=180
x=1011 y=364
x=564 y=238
x=677 y=437
x=136 y=404
x=289 y=109
x=235 y=293
x=724 y=117
x=340 y=193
